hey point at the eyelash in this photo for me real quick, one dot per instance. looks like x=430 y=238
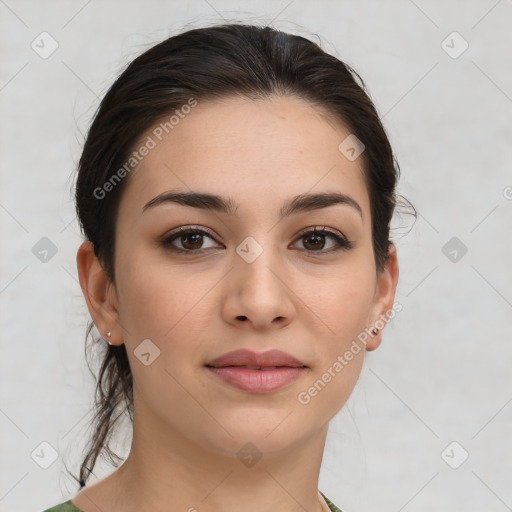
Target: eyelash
x=343 y=244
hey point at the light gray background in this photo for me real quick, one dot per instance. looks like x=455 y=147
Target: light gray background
x=442 y=373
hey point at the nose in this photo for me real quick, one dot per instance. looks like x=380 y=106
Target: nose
x=258 y=288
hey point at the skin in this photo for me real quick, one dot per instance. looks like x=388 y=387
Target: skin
x=188 y=424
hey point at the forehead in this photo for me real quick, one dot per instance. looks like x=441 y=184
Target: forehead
x=259 y=151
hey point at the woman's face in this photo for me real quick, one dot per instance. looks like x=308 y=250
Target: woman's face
x=253 y=278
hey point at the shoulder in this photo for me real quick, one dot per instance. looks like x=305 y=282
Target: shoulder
x=66 y=506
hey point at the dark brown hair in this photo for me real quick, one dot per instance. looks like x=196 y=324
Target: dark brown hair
x=206 y=63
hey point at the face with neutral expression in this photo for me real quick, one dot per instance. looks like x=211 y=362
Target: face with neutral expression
x=246 y=271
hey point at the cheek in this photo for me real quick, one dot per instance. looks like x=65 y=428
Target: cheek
x=341 y=301
x=156 y=299
x=161 y=304
x=343 y=306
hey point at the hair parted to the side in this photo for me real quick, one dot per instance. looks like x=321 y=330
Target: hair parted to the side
x=206 y=63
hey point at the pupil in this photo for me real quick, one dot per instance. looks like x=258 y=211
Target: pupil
x=317 y=237
x=194 y=235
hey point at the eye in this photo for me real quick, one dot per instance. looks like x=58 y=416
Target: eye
x=314 y=240
x=191 y=240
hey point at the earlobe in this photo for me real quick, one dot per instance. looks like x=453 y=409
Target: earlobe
x=375 y=337
x=95 y=288
x=384 y=298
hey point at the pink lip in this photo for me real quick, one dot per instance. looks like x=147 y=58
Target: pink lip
x=246 y=357
x=258 y=381
x=257 y=372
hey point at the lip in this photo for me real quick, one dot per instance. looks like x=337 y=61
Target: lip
x=266 y=359
x=257 y=372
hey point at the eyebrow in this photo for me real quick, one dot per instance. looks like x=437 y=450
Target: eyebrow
x=213 y=202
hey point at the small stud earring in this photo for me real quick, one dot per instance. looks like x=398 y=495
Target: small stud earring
x=375 y=331
x=108 y=336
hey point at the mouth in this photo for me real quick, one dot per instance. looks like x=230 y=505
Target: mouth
x=257 y=373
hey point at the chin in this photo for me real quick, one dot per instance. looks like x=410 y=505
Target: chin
x=267 y=432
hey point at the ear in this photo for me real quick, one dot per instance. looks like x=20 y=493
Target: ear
x=99 y=293
x=384 y=297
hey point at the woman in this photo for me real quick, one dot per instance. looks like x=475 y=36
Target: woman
x=235 y=189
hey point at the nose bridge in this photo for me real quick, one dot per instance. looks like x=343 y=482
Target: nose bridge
x=258 y=256
x=262 y=295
